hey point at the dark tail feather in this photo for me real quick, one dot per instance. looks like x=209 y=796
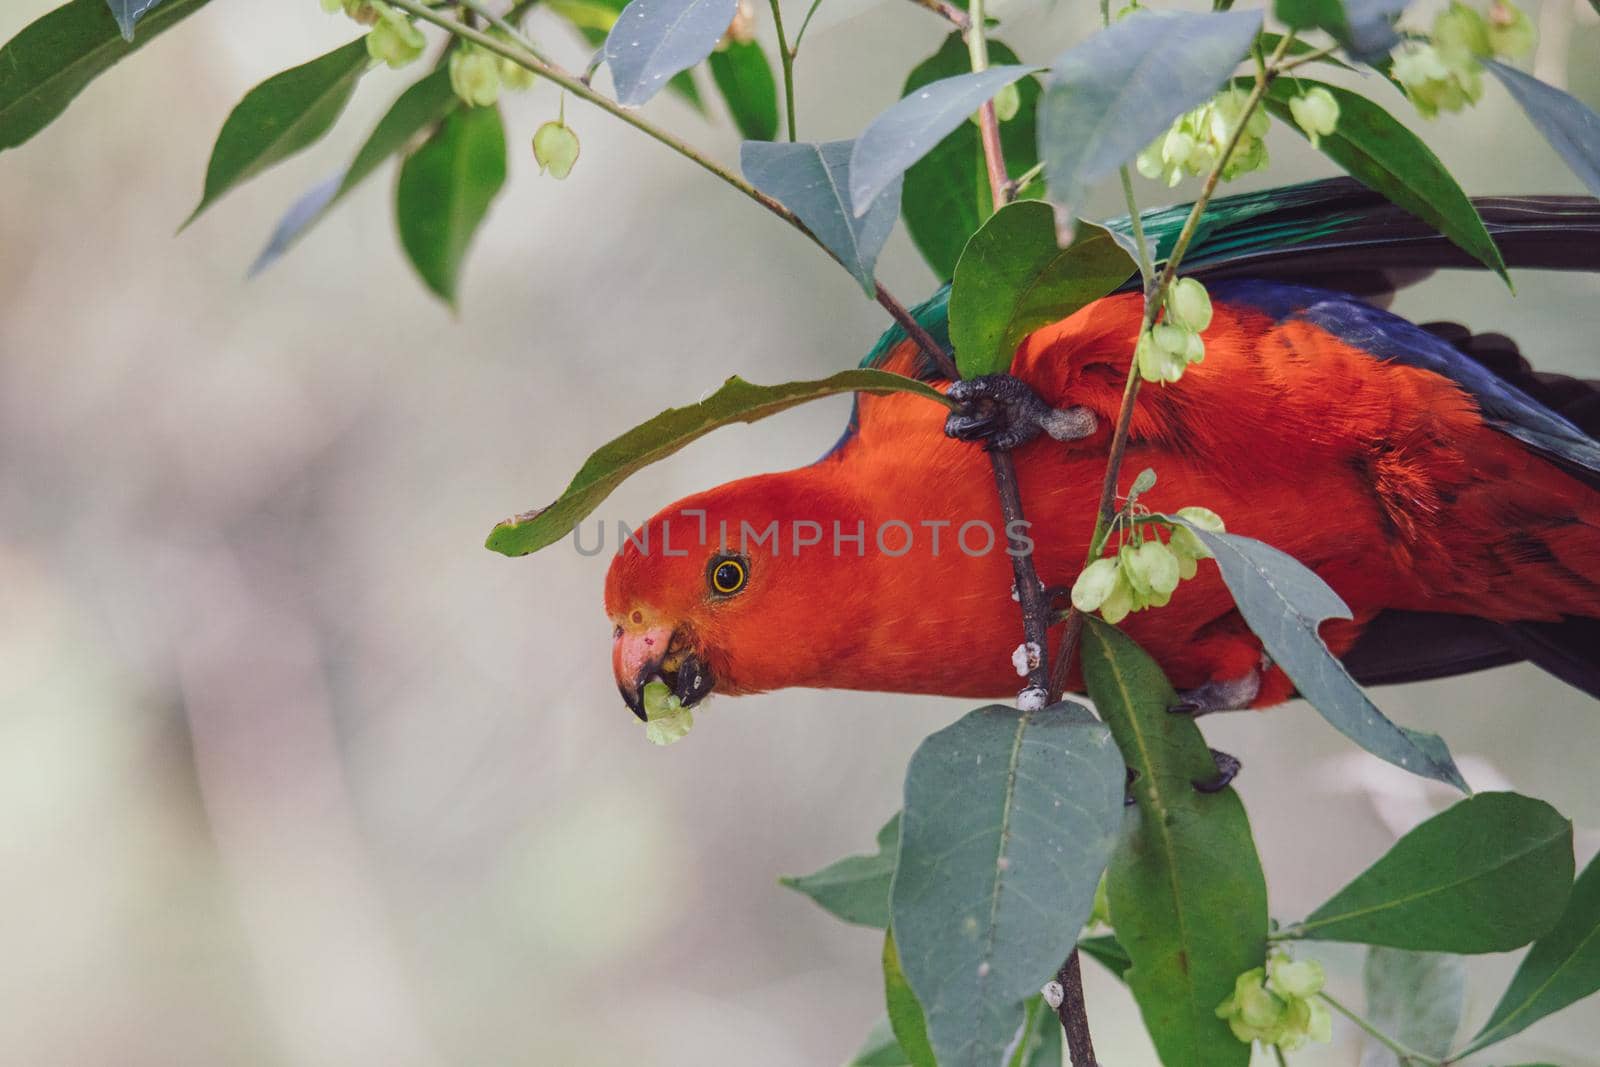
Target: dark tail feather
x=1338 y=234
x=1415 y=646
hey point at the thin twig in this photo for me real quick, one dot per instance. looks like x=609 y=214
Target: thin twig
x=794 y=49
x=1073 y=1015
x=988 y=123
x=517 y=52
x=786 y=57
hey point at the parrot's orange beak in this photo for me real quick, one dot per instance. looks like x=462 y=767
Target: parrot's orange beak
x=643 y=653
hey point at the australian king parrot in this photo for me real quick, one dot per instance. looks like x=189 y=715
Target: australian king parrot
x=1445 y=490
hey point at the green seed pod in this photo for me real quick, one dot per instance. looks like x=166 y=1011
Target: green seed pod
x=1510 y=30
x=1007 y=103
x=1292 y=978
x=394 y=40
x=1460 y=33
x=475 y=76
x=1095 y=583
x=1189 y=305
x=555 y=147
x=1316 y=112
x=666 y=719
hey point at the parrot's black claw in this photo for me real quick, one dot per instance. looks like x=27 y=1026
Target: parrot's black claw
x=1231 y=695
x=1005 y=413
x=1227 y=770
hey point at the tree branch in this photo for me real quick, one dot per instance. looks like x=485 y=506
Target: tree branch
x=949 y=12
x=1073 y=1015
x=519 y=51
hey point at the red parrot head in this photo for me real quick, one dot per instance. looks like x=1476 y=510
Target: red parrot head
x=710 y=593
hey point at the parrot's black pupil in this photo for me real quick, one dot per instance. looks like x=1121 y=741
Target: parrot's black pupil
x=728 y=577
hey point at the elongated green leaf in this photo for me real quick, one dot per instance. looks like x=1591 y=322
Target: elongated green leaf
x=905 y=1013
x=1186 y=890
x=1378 y=151
x=1285 y=602
x=856 y=888
x=907 y=131
x=1561 y=969
x=655 y=39
x=946 y=196
x=1107 y=951
x=444 y=192
x=1572 y=129
x=1110 y=96
x=420 y=107
x=813 y=181
x=1009 y=817
x=660 y=437
x=744 y=77
x=1415 y=998
x=58 y=54
x=1013 y=279
x=128 y=13
x=1489 y=874
x=593 y=19
x=880 y=1049
x=283 y=115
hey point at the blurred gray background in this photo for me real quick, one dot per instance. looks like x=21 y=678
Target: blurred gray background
x=293 y=771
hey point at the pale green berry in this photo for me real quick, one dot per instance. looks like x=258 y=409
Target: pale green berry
x=1436 y=82
x=667 y=720
x=1460 y=33
x=1095 y=583
x=1150 y=162
x=1250 y=154
x=555 y=147
x=1007 y=103
x=394 y=40
x=1316 y=112
x=1294 y=978
x=475 y=76
x=1205 y=518
x=1116 y=607
x=1157 y=568
x=1189 y=305
x=1320 y=1028
x=1510 y=30
x=1156 y=363
x=1178 y=147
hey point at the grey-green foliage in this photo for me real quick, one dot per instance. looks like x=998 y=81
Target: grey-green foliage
x=1009 y=819
x=1415 y=998
x=856 y=888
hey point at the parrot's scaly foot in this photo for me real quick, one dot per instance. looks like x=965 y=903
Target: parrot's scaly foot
x=1227 y=770
x=1005 y=413
x=1233 y=694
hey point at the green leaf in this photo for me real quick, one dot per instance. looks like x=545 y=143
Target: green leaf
x=812 y=180
x=128 y=13
x=905 y=1012
x=946 y=195
x=1364 y=27
x=285 y=114
x=744 y=77
x=1284 y=602
x=57 y=55
x=1013 y=278
x=856 y=888
x=1378 y=151
x=1415 y=998
x=1107 y=951
x=880 y=1049
x=660 y=437
x=1009 y=817
x=1108 y=98
x=1489 y=874
x=593 y=19
x=910 y=128
x=420 y=107
x=1572 y=129
x=653 y=40
x=444 y=192
x=1561 y=969
x=1185 y=887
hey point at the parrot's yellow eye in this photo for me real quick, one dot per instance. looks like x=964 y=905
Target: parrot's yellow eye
x=728 y=575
